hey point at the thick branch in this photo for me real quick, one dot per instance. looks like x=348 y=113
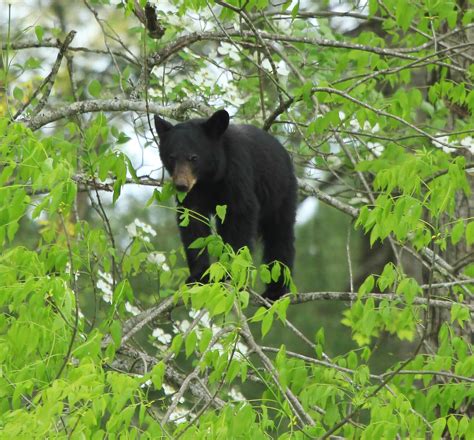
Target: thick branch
x=378 y=297
x=110 y=105
x=133 y=325
x=306 y=188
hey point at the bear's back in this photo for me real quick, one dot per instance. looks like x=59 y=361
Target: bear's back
x=261 y=156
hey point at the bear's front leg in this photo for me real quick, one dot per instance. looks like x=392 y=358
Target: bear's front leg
x=198 y=259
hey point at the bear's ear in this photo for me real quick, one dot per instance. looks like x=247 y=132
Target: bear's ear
x=217 y=123
x=162 y=126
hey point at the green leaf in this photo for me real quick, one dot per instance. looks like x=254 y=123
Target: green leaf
x=116 y=332
x=232 y=371
x=157 y=375
x=457 y=231
x=244 y=297
x=470 y=233
x=352 y=361
x=438 y=428
x=367 y=286
x=39 y=32
x=452 y=426
x=281 y=308
x=131 y=169
x=221 y=211
x=190 y=343
x=265 y=274
x=18 y=93
x=267 y=322
x=320 y=336
x=176 y=344
x=259 y=314
x=199 y=243
x=276 y=271
x=184 y=218
x=94 y=88
x=388 y=276
x=206 y=336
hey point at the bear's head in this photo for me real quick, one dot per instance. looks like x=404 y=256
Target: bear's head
x=192 y=151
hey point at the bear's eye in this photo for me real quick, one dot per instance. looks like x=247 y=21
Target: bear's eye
x=193 y=157
x=172 y=157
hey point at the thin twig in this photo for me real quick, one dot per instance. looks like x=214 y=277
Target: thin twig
x=48 y=82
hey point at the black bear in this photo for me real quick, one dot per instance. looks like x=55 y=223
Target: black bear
x=240 y=166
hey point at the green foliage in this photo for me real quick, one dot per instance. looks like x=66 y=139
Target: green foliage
x=99 y=335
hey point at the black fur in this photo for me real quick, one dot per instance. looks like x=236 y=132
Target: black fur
x=240 y=166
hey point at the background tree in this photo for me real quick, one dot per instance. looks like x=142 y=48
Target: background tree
x=99 y=336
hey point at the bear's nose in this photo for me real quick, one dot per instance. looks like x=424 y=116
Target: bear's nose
x=182 y=187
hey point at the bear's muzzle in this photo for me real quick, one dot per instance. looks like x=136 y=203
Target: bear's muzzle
x=183 y=177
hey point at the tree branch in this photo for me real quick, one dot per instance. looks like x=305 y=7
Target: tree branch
x=111 y=105
x=48 y=82
x=301 y=298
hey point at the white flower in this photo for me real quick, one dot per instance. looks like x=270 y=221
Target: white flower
x=376 y=148
x=354 y=123
x=165 y=267
x=163 y=337
x=266 y=65
x=68 y=269
x=106 y=276
x=132 y=230
x=146 y=384
x=104 y=284
x=132 y=309
x=206 y=320
x=168 y=389
x=157 y=258
x=229 y=49
x=140 y=229
x=236 y=395
x=468 y=142
x=205 y=78
x=444 y=140
x=193 y=313
x=281 y=67
x=242 y=348
x=179 y=415
x=146 y=228
x=181 y=326
x=106 y=290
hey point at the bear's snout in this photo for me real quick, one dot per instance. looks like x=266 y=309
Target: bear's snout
x=181 y=187
x=183 y=178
